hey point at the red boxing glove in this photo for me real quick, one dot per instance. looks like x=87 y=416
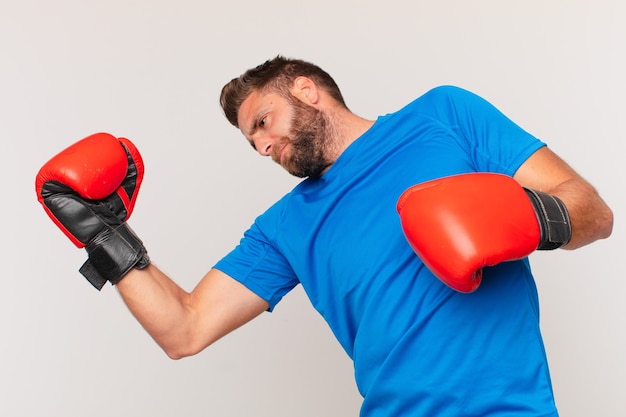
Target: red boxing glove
x=98 y=167
x=89 y=190
x=459 y=224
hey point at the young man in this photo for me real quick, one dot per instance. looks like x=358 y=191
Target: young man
x=419 y=346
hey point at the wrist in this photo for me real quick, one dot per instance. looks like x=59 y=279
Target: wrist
x=553 y=218
x=112 y=254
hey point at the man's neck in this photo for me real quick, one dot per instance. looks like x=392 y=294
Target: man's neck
x=347 y=128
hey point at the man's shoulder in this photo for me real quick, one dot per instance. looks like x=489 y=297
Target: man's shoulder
x=445 y=92
x=443 y=102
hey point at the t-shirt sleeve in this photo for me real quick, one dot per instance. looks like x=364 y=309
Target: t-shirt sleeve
x=257 y=264
x=495 y=142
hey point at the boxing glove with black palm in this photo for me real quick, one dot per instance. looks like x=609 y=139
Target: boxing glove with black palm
x=462 y=223
x=89 y=191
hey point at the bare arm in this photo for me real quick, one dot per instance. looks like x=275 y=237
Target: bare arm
x=184 y=323
x=591 y=218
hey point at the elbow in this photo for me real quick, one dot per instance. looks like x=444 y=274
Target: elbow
x=601 y=227
x=606 y=223
x=180 y=353
x=595 y=227
x=175 y=354
x=183 y=348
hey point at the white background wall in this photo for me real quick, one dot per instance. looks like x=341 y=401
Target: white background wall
x=152 y=71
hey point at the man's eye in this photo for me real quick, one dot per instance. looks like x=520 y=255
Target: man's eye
x=262 y=122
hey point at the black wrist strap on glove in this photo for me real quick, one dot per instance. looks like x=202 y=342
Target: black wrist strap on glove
x=553 y=218
x=112 y=253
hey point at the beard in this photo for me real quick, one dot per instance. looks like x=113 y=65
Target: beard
x=309 y=137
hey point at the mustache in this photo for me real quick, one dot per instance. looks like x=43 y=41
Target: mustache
x=278 y=149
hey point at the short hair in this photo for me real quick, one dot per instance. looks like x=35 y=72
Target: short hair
x=277 y=75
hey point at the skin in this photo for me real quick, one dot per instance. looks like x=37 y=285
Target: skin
x=590 y=216
x=184 y=323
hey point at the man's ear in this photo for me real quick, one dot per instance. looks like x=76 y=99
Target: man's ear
x=305 y=90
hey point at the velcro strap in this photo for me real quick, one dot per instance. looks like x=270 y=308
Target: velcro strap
x=553 y=218
x=92 y=275
x=112 y=253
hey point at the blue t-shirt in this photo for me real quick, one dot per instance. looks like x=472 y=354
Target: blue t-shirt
x=419 y=348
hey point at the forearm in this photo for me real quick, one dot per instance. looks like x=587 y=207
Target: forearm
x=185 y=323
x=590 y=217
x=160 y=306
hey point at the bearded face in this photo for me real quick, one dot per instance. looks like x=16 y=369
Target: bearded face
x=307 y=143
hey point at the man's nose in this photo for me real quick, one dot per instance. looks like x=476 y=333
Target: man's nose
x=263 y=145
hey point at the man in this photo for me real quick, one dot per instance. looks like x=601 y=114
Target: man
x=419 y=347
